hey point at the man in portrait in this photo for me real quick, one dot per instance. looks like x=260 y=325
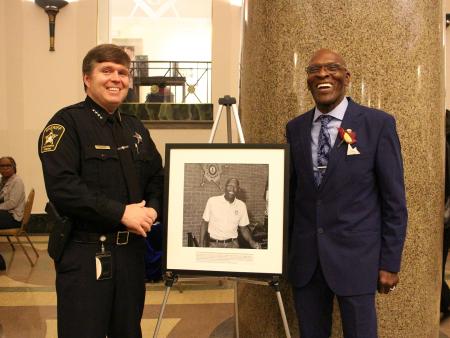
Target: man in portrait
x=222 y=217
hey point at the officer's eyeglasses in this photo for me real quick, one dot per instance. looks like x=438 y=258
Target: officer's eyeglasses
x=5 y=165
x=331 y=68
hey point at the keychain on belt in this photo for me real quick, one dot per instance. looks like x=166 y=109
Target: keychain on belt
x=103 y=265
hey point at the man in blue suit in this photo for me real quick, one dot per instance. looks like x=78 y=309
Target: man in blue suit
x=348 y=208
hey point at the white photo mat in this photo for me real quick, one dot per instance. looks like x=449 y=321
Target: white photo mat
x=226 y=260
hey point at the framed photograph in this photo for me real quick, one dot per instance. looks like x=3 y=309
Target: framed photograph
x=226 y=209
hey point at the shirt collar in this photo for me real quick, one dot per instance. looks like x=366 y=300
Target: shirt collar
x=232 y=203
x=338 y=112
x=100 y=113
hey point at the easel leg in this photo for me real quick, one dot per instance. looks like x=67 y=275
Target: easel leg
x=170 y=279
x=276 y=286
x=238 y=125
x=216 y=123
x=236 y=309
x=229 y=135
x=283 y=315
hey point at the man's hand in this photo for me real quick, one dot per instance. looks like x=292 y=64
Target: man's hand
x=387 y=281
x=138 y=218
x=245 y=231
x=254 y=245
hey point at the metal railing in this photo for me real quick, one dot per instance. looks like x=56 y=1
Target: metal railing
x=170 y=81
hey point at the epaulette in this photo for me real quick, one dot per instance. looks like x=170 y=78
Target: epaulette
x=78 y=105
x=71 y=108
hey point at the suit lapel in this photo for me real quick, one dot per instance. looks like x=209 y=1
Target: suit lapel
x=339 y=151
x=305 y=139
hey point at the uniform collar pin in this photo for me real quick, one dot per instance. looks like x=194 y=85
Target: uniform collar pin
x=97 y=113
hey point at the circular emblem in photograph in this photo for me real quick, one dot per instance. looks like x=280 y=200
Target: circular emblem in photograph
x=211 y=172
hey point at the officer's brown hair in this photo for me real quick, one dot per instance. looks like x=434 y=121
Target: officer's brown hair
x=104 y=53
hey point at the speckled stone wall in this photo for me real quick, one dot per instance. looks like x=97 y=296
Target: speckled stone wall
x=394 y=50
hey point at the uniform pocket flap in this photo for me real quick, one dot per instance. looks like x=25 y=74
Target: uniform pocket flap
x=101 y=154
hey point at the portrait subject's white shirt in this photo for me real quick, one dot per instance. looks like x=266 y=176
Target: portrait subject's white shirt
x=225 y=217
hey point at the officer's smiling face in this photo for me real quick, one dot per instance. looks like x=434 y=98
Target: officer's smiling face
x=107 y=84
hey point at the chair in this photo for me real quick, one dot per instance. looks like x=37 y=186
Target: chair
x=18 y=232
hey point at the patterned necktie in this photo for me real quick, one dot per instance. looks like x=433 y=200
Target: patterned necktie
x=323 y=148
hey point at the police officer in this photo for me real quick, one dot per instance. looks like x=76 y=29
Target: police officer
x=102 y=170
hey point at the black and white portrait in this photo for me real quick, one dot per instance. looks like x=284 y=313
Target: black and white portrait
x=225 y=205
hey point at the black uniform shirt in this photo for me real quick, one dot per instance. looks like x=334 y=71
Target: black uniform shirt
x=82 y=172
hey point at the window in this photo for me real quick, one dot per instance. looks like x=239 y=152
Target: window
x=169 y=42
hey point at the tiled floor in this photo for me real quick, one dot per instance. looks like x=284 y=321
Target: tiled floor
x=195 y=309
x=28 y=299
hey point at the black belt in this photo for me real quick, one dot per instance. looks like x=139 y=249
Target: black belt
x=222 y=240
x=118 y=238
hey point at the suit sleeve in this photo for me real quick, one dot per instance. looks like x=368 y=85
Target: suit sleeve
x=292 y=186
x=389 y=174
x=64 y=185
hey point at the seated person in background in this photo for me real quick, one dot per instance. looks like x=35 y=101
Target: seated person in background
x=222 y=216
x=12 y=195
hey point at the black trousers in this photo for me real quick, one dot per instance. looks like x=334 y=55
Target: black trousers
x=91 y=308
x=7 y=221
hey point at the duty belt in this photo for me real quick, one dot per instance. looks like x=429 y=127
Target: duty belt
x=117 y=238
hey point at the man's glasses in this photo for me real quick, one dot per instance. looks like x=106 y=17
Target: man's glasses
x=5 y=165
x=331 y=68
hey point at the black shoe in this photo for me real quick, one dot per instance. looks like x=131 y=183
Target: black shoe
x=2 y=263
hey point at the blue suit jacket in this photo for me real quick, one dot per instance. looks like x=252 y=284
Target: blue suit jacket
x=354 y=224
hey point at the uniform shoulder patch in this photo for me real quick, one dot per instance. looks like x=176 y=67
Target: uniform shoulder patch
x=51 y=136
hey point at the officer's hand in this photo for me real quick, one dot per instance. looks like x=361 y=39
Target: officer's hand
x=153 y=214
x=138 y=219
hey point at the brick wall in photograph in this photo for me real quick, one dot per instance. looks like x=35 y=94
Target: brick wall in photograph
x=197 y=189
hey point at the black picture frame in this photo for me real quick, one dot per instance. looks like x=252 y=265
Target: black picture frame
x=196 y=172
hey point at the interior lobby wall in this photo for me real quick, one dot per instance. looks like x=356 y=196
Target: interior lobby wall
x=35 y=83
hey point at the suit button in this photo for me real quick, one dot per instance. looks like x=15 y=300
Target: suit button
x=320 y=231
x=319 y=202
